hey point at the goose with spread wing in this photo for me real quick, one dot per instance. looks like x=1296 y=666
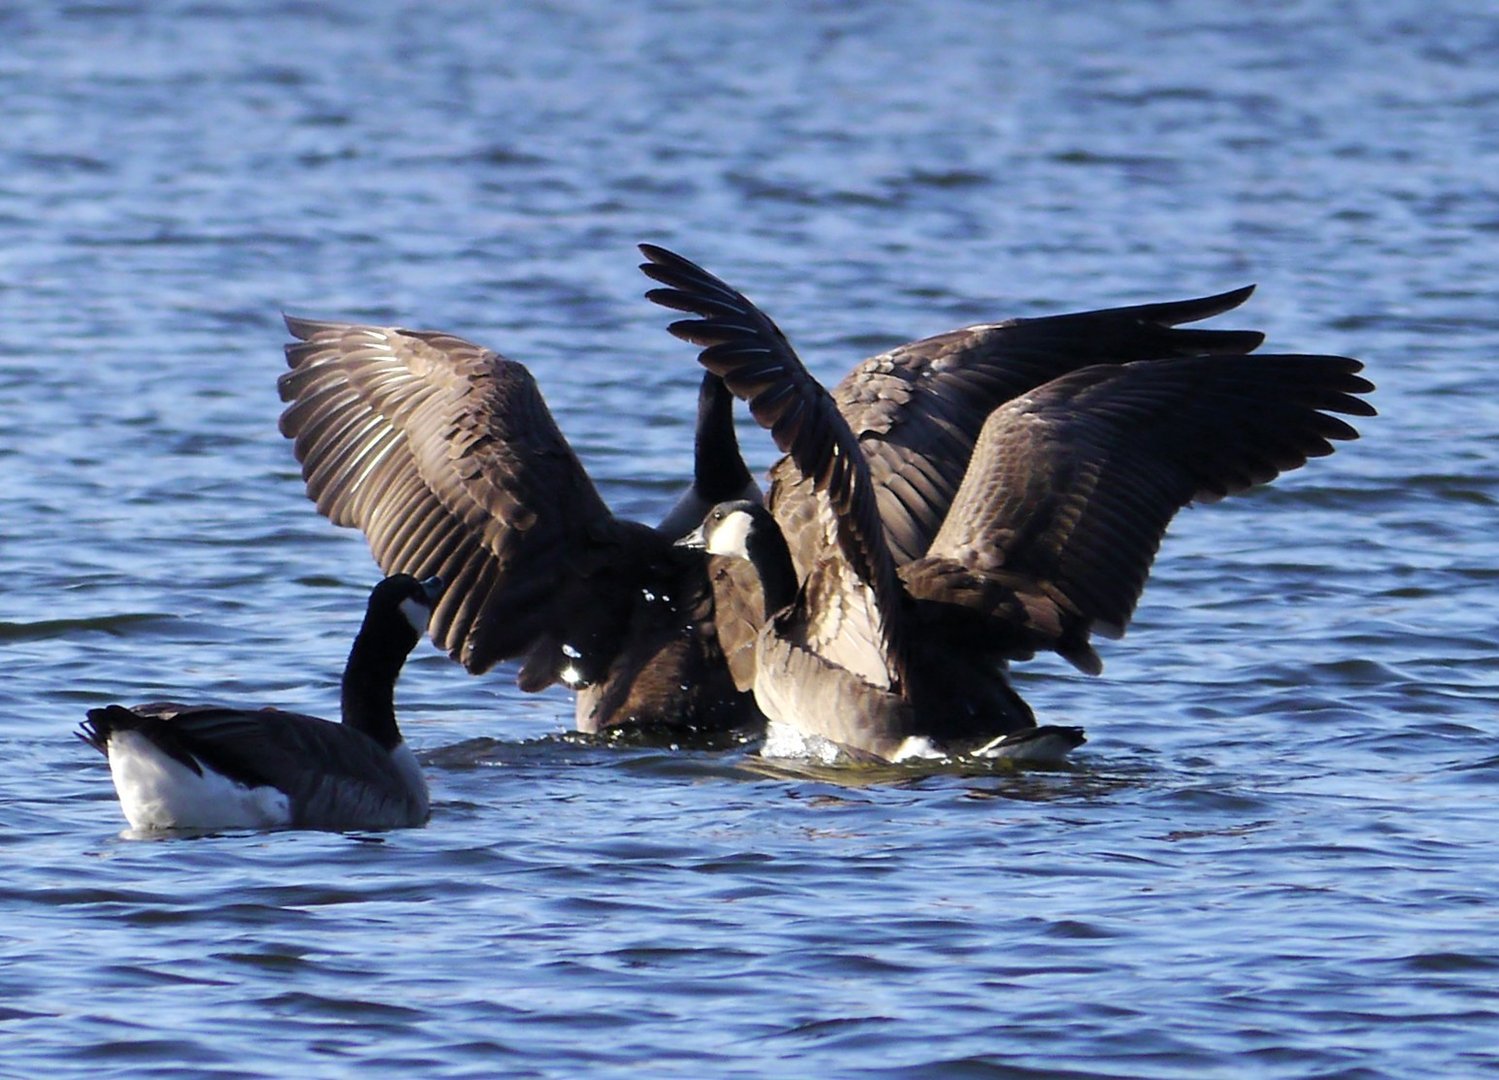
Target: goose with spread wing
x=444 y=454
x=898 y=646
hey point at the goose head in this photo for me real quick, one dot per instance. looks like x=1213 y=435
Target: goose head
x=743 y=529
x=736 y=528
x=403 y=599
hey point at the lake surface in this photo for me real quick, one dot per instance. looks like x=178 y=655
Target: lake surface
x=1278 y=854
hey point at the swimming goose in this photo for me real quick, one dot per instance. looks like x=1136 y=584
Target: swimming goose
x=1049 y=536
x=444 y=454
x=218 y=767
x=810 y=690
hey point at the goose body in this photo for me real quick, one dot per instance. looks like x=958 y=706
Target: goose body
x=816 y=692
x=890 y=633
x=179 y=766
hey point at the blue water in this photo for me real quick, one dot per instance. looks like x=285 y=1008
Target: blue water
x=1277 y=856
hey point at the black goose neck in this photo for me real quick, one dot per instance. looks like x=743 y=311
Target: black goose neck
x=369 y=682
x=766 y=549
x=718 y=470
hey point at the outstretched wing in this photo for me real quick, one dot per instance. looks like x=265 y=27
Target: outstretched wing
x=918 y=409
x=1072 y=485
x=861 y=631
x=445 y=456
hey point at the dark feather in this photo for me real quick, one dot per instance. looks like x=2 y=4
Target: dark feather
x=445 y=455
x=758 y=364
x=1072 y=486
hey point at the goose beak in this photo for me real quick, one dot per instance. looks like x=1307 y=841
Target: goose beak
x=432 y=588
x=697 y=538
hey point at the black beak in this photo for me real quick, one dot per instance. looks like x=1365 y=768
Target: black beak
x=697 y=538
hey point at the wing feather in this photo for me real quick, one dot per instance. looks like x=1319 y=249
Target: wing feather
x=1072 y=485
x=746 y=348
x=920 y=407
x=446 y=457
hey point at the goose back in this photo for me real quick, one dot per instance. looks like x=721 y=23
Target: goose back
x=214 y=767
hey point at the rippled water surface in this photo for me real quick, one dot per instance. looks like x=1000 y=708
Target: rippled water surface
x=1278 y=855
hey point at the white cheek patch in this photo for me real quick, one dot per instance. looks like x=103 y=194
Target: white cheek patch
x=416 y=613
x=731 y=535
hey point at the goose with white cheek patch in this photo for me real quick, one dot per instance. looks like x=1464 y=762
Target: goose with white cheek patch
x=819 y=708
x=179 y=766
x=1063 y=501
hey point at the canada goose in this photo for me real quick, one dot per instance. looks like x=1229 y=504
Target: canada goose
x=792 y=680
x=218 y=767
x=444 y=454
x=1048 y=537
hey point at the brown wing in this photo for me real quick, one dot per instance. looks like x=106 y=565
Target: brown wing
x=1072 y=485
x=918 y=409
x=446 y=457
x=744 y=347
